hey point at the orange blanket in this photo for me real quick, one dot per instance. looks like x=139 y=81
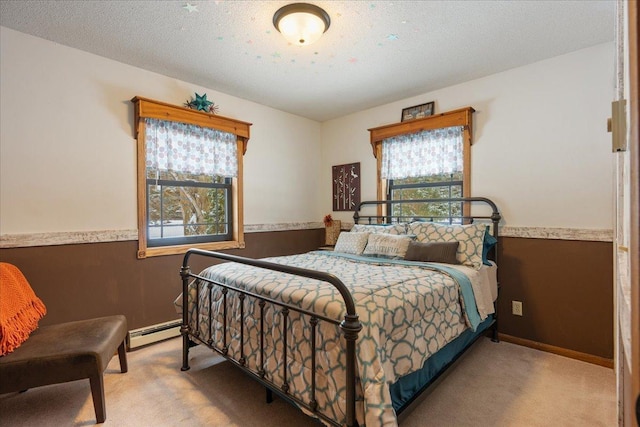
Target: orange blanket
x=20 y=308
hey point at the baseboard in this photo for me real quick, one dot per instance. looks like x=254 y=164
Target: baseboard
x=572 y=354
x=152 y=334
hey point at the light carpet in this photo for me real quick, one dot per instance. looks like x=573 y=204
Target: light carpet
x=493 y=384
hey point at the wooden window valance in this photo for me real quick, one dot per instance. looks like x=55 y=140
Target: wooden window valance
x=148 y=108
x=461 y=117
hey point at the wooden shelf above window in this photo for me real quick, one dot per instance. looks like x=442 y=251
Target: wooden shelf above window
x=148 y=108
x=460 y=117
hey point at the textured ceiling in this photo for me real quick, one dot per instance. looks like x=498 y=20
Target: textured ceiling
x=375 y=52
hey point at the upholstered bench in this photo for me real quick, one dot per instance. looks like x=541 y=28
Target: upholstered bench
x=67 y=352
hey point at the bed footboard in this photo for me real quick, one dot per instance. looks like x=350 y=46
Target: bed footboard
x=350 y=327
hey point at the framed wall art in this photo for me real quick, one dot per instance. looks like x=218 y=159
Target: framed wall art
x=418 y=111
x=346 y=186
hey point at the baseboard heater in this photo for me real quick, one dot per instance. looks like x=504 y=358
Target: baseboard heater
x=152 y=334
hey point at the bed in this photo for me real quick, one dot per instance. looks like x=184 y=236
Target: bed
x=353 y=336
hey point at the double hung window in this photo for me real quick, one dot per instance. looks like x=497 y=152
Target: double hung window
x=189 y=179
x=424 y=159
x=187 y=208
x=441 y=186
x=424 y=165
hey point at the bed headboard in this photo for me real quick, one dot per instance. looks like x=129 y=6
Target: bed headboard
x=454 y=212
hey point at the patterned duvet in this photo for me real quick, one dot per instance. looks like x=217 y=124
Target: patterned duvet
x=408 y=311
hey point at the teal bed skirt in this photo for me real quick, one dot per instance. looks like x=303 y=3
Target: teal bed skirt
x=406 y=388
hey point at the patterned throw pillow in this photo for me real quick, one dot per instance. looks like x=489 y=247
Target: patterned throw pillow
x=387 y=245
x=351 y=243
x=471 y=239
x=382 y=228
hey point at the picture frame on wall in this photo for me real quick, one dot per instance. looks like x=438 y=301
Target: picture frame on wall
x=418 y=111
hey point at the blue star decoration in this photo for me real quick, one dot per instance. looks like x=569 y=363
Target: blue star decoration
x=201 y=103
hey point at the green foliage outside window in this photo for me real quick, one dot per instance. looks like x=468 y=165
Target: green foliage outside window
x=443 y=186
x=184 y=204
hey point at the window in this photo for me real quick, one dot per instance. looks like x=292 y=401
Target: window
x=189 y=179
x=184 y=208
x=424 y=159
x=442 y=186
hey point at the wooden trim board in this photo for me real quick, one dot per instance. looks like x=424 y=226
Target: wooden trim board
x=572 y=354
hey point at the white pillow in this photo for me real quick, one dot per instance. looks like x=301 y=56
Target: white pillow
x=471 y=238
x=351 y=243
x=387 y=245
x=382 y=228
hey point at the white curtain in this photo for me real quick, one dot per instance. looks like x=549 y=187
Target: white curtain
x=182 y=147
x=426 y=153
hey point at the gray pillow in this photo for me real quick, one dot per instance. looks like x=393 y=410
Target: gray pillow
x=444 y=252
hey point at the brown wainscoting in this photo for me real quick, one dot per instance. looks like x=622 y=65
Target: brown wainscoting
x=82 y=281
x=589 y=358
x=566 y=287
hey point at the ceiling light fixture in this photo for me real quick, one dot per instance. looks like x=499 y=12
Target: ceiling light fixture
x=301 y=23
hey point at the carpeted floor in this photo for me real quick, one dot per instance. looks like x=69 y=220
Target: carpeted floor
x=493 y=385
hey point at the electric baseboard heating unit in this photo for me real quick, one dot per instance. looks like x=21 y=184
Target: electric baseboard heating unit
x=152 y=334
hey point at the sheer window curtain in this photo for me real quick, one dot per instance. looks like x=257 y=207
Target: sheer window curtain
x=426 y=153
x=182 y=147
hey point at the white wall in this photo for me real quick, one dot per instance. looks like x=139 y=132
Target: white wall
x=541 y=149
x=68 y=155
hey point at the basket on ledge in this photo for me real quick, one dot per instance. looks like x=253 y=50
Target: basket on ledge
x=332 y=230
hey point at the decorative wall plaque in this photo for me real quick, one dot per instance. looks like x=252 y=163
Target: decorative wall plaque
x=346 y=186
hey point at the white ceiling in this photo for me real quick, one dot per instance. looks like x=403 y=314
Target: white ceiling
x=374 y=52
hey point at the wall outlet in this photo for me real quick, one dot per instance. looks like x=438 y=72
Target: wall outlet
x=516 y=308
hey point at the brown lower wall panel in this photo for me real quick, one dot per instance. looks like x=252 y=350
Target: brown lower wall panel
x=566 y=287
x=82 y=281
x=566 y=290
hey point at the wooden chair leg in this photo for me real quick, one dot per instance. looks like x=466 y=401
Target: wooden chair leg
x=97 y=392
x=122 y=355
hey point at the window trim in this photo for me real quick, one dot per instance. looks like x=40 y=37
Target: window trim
x=460 y=117
x=147 y=108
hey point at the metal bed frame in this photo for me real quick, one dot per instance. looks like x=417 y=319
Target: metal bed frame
x=350 y=325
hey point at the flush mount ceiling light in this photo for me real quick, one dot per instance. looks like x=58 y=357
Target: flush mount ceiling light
x=301 y=23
